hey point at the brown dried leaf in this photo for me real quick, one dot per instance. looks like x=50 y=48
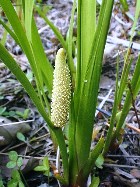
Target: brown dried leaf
x=95 y=132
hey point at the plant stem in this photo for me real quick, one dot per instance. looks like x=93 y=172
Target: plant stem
x=21 y=174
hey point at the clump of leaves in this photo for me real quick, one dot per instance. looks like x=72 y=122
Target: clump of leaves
x=15 y=113
x=44 y=167
x=16 y=180
x=15 y=163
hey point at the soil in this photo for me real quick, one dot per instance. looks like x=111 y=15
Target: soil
x=122 y=164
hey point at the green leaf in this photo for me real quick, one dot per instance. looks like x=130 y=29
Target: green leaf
x=2 y=110
x=28 y=17
x=12 y=183
x=99 y=162
x=113 y=116
x=93 y=157
x=45 y=69
x=40 y=168
x=20 y=114
x=26 y=113
x=20 y=75
x=135 y=86
x=118 y=115
x=95 y=182
x=69 y=42
x=20 y=136
x=21 y=184
x=15 y=175
x=8 y=29
x=47 y=173
x=11 y=164
x=124 y=5
x=21 y=35
x=85 y=97
x=12 y=113
x=127 y=61
x=4 y=37
x=55 y=29
x=13 y=155
x=19 y=162
x=88 y=28
x=46 y=162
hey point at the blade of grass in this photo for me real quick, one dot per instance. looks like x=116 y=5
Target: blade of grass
x=44 y=68
x=4 y=36
x=92 y=158
x=20 y=33
x=70 y=43
x=78 y=72
x=124 y=5
x=88 y=27
x=14 y=67
x=7 y=27
x=90 y=85
x=73 y=161
x=114 y=112
x=135 y=85
x=73 y=164
x=19 y=11
x=45 y=72
x=126 y=62
x=42 y=63
x=124 y=77
x=55 y=29
x=60 y=38
x=28 y=17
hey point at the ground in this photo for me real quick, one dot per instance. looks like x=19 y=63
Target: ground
x=122 y=164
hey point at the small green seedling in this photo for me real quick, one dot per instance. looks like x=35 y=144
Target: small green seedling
x=24 y=114
x=15 y=161
x=21 y=137
x=15 y=114
x=44 y=167
x=16 y=180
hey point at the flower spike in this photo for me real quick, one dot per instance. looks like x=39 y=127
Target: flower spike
x=61 y=93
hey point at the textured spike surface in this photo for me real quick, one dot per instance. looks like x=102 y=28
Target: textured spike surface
x=61 y=93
